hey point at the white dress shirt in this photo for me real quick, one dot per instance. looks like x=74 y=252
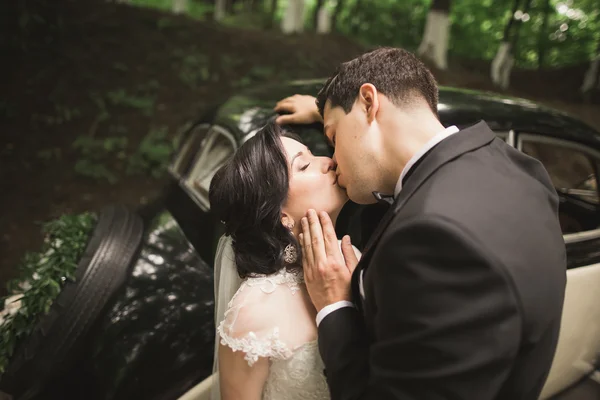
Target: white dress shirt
x=451 y=130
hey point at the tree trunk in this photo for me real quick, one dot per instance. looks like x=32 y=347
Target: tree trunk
x=179 y=6
x=293 y=19
x=543 y=36
x=220 y=9
x=324 y=21
x=515 y=37
x=591 y=78
x=271 y=15
x=511 y=21
x=434 y=45
x=334 y=18
x=316 y=12
x=504 y=60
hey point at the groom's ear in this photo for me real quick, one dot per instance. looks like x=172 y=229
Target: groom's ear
x=369 y=98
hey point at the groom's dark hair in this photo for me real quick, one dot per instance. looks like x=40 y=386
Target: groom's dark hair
x=395 y=72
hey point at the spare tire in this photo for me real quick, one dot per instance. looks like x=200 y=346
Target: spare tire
x=52 y=346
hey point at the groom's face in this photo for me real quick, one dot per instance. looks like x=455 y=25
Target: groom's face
x=357 y=141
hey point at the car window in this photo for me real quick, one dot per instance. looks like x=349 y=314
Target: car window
x=192 y=141
x=216 y=148
x=572 y=171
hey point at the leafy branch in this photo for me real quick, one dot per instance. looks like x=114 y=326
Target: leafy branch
x=42 y=275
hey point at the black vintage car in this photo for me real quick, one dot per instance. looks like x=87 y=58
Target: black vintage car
x=138 y=321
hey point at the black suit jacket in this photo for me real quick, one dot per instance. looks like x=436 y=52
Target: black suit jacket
x=464 y=283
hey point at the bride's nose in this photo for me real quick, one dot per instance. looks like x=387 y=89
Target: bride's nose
x=328 y=165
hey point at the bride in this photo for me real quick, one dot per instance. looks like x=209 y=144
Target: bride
x=266 y=344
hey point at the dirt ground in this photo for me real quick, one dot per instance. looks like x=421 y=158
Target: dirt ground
x=172 y=68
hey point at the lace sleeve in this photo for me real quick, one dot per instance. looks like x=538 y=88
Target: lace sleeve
x=260 y=319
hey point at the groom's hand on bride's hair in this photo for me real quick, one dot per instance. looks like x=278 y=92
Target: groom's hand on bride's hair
x=327 y=271
x=298 y=109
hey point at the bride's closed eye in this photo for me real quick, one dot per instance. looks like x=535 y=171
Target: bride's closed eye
x=305 y=167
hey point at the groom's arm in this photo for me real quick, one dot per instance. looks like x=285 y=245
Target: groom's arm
x=446 y=323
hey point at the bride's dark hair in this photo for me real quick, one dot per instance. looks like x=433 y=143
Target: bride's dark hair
x=247 y=194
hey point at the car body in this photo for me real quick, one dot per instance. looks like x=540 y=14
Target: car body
x=155 y=338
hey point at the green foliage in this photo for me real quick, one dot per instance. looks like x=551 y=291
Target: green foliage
x=257 y=74
x=478 y=27
x=193 y=66
x=144 y=103
x=62 y=114
x=487 y=19
x=95 y=154
x=54 y=153
x=103 y=113
x=153 y=154
x=42 y=275
x=196 y=9
x=391 y=23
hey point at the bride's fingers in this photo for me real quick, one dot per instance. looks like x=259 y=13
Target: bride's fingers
x=349 y=255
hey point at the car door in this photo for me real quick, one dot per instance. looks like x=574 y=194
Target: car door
x=573 y=169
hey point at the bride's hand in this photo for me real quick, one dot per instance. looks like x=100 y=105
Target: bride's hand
x=327 y=272
x=300 y=109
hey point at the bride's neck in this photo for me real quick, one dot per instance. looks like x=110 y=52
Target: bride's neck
x=298 y=227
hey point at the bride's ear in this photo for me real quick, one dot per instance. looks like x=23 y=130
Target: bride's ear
x=287 y=221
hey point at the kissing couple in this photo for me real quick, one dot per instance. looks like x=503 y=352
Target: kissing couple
x=457 y=293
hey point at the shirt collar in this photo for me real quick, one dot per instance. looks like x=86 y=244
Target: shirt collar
x=449 y=131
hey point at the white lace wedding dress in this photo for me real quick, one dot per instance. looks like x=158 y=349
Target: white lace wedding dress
x=273 y=317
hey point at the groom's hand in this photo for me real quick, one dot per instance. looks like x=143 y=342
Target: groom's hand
x=299 y=109
x=327 y=272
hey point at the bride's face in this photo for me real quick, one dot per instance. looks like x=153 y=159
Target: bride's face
x=313 y=183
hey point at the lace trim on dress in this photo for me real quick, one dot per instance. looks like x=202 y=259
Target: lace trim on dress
x=290 y=277
x=253 y=347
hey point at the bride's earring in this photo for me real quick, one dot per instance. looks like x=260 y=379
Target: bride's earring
x=290 y=255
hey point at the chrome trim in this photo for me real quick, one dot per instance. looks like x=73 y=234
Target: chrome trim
x=510 y=140
x=581 y=236
x=562 y=142
x=176 y=163
x=186 y=184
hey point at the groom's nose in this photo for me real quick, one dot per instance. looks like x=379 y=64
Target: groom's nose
x=329 y=165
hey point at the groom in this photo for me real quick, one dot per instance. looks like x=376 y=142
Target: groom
x=459 y=291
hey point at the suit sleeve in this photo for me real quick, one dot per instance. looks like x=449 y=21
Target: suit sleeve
x=446 y=323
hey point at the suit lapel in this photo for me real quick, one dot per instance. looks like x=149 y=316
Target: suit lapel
x=449 y=149
x=462 y=142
